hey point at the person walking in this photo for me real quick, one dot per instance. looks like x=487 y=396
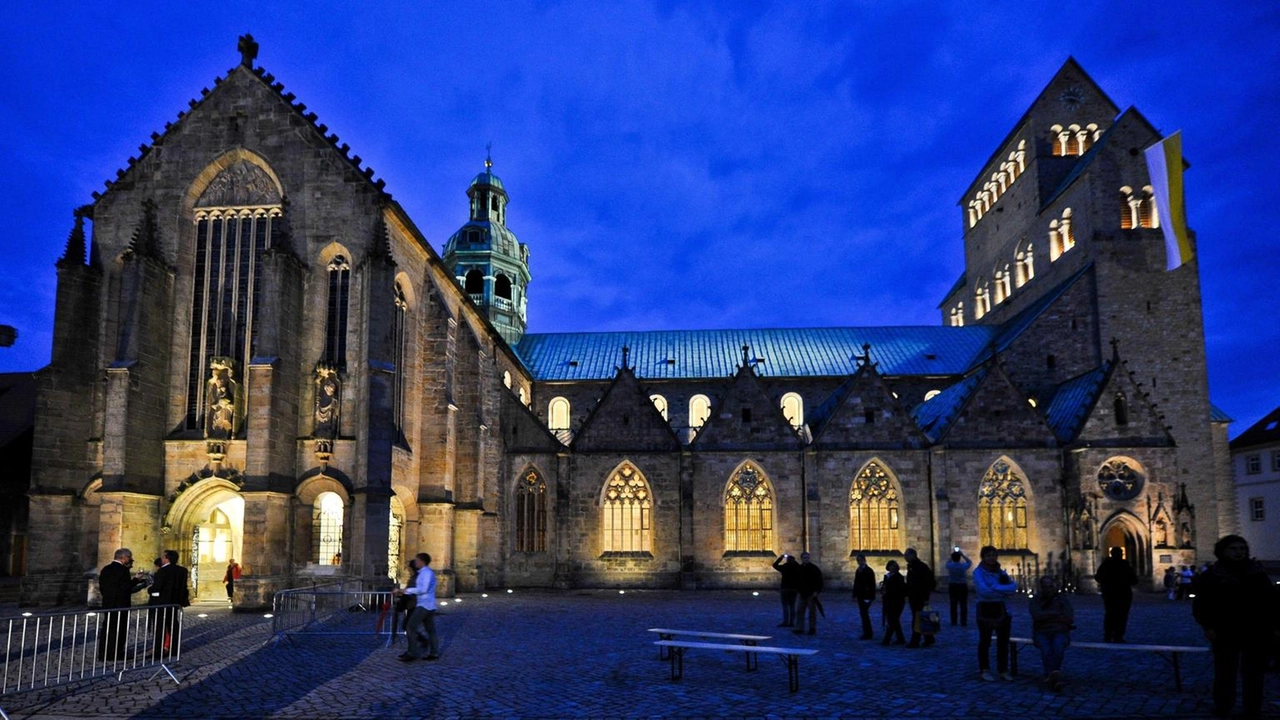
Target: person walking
x=1235 y=604
x=809 y=584
x=117 y=586
x=790 y=571
x=920 y=585
x=958 y=586
x=423 y=616
x=895 y=598
x=991 y=586
x=864 y=593
x=1052 y=618
x=1116 y=579
x=170 y=588
x=1171 y=582
x=230 y=578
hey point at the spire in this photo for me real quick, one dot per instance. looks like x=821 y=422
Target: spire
x=74 y=255
x=488 y=157
x=248 y=50
x=626 y=354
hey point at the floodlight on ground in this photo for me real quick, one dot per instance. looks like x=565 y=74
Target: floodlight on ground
x=203 y=615
x=509 y=591
x=457 y=601
x=26 y=614
x=484 y=594
x=622 y=592
x=268 y=615
x=444 y=602
x=755 y=594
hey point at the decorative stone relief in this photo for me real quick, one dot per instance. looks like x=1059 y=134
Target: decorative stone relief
x=221 y=394
x=238 y=185
x=328 y=410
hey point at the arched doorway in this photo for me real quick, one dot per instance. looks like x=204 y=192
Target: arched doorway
x=206 y=526
x=1119 y=534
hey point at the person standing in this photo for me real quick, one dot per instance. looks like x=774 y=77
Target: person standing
x=230 y=578
x=1235 y=604
x=864 y=592
x=1116 y=579
x=920 y=584
x=1171 y=582
x=170 y=588
x=991 y=586
x=809 y=585
x=790 y=570
x=1185 y=576
x=958 y=586
x=116 y=585
x=895 y=598
x=423 y=616
x=1052 y=617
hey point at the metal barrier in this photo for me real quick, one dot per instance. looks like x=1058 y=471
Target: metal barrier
x=340 y=608
x=42 y=651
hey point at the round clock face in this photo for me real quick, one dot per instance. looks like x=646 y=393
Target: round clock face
x=1072 y=97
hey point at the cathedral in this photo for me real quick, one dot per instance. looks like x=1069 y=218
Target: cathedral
x=257 y=355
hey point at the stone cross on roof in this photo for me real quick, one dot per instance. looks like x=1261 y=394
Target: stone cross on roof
x=248 y=50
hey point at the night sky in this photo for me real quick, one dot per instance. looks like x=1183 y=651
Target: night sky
x=672 y=166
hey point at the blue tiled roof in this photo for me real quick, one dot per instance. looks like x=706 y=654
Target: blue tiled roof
x=794 y=352
x=935 y=415
x=1217 y=415
x=1073 y=401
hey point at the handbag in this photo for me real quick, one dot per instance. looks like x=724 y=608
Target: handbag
x=928 y=621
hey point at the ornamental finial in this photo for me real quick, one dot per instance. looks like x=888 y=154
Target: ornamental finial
x=248 y=50
x=488 y=156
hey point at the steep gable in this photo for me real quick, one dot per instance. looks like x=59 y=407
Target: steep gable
x=746 y=419
x=1122 y=415
x=625 y=419
x=522 y=431
x=997 y=414
x=863 y=413
x=935 y=415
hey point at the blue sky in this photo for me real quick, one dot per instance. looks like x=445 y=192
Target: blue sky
x=670 y=165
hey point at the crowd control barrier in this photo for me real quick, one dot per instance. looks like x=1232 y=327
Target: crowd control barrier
x=341 y=608
x=45 y=650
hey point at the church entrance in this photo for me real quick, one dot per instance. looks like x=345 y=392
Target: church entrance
x=209 y=520
x=1119 y=535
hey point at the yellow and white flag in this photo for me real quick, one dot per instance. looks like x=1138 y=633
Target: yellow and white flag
x=1164 y=164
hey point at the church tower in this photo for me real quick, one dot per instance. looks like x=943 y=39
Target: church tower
x=491 y=265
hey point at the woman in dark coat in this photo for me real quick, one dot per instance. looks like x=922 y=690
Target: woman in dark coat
x=895 y=599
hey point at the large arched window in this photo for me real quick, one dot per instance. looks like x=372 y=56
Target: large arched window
x=237 y=217
x=875 y=514
x=793 y=409
x=1002 y=508
x=748 y=512
x=335 y=330
x=699 y=410
x=399 y=350
x=558 y=414
x=626 y=513
x=326 y=528
x=531 y=513
x=660 y=403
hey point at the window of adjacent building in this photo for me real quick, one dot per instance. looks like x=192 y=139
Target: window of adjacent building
x=699 y=410
x=626 y=512
x=335 y=342
x=1002 y=508
x=660 y=403
x=326 y=527
x=875 y=514
x=1257 y=509
x=793 y=409
x=1253 y=464
x=399 y=349
x=531 y=513
x=1275 y=461
x=748 y=512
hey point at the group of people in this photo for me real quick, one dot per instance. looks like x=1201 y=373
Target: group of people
x=1177 y=583
x=167 y=586
x=418 y=599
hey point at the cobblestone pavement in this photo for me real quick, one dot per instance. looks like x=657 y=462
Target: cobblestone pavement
x=587 y=654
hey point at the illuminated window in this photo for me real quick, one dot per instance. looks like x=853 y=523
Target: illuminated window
x=1061 y=237
x=957 y=315
x=793 y=409
x=1024 y=265
x=998 y=184
x=400 y=338
x=326 y=527
x=660 y=403
x=335 y=343
x=506 y=378
x=1003 y=286
x=932 y=394
x=626 y=512
x=981 y=300
x=1002 y=508
x=531 y=513
x=748 y=512
x=699 y=410
x=875 y=514
x=558 y=418
x=1147 y=215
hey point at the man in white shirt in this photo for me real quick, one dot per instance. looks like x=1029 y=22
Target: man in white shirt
x=424 y=615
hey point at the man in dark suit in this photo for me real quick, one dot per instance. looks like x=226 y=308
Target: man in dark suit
x=170 y=588
x=116 y=584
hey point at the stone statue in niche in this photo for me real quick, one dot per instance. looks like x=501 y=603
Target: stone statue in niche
x=1184 y=535
x=328 y=402
x=221 y=419
x=1162 y=534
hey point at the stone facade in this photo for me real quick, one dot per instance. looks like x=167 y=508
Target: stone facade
x=361 y=369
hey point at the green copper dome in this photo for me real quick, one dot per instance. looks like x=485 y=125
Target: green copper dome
x=487 y=178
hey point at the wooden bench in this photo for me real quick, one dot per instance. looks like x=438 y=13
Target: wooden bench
x=1169 y=653
x=670 y=634
x=789 y=656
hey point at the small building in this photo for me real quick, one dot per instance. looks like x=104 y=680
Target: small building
x=1255 y=465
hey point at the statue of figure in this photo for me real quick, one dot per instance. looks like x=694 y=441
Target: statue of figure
x=220 y=393
x=328 y=402
x=1162 y=534
x=1184 y=535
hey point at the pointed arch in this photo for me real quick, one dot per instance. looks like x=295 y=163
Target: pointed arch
x=529 y=511
x=337 y=263
x=748 y=510
x=626 y=511
x=1125 y=530
x=1003 y=507
x=875 y=509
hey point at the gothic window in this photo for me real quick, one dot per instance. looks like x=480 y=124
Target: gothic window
x=699 y=410
x=474 y=284
x=1121 y=406
x=660 y=403
x=1061 y=237
x=1002 y=508
x=531 y=513
x=502 y=286
x=1119 y=479
x=1024 y=264
x=335 y=333
x=626 y=513
x=874 y=510
x=237 y=217
x=395 y=538
x=793 y=409
x=748 y=512
x=400 y=337
x=326 y=528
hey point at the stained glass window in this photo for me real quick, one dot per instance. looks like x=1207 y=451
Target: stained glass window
x=531 y=513
x=327 y=528
x=1002 y=508
x=748 y=512
x=626 y=512
x=1119 y=480
x=874 y=510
